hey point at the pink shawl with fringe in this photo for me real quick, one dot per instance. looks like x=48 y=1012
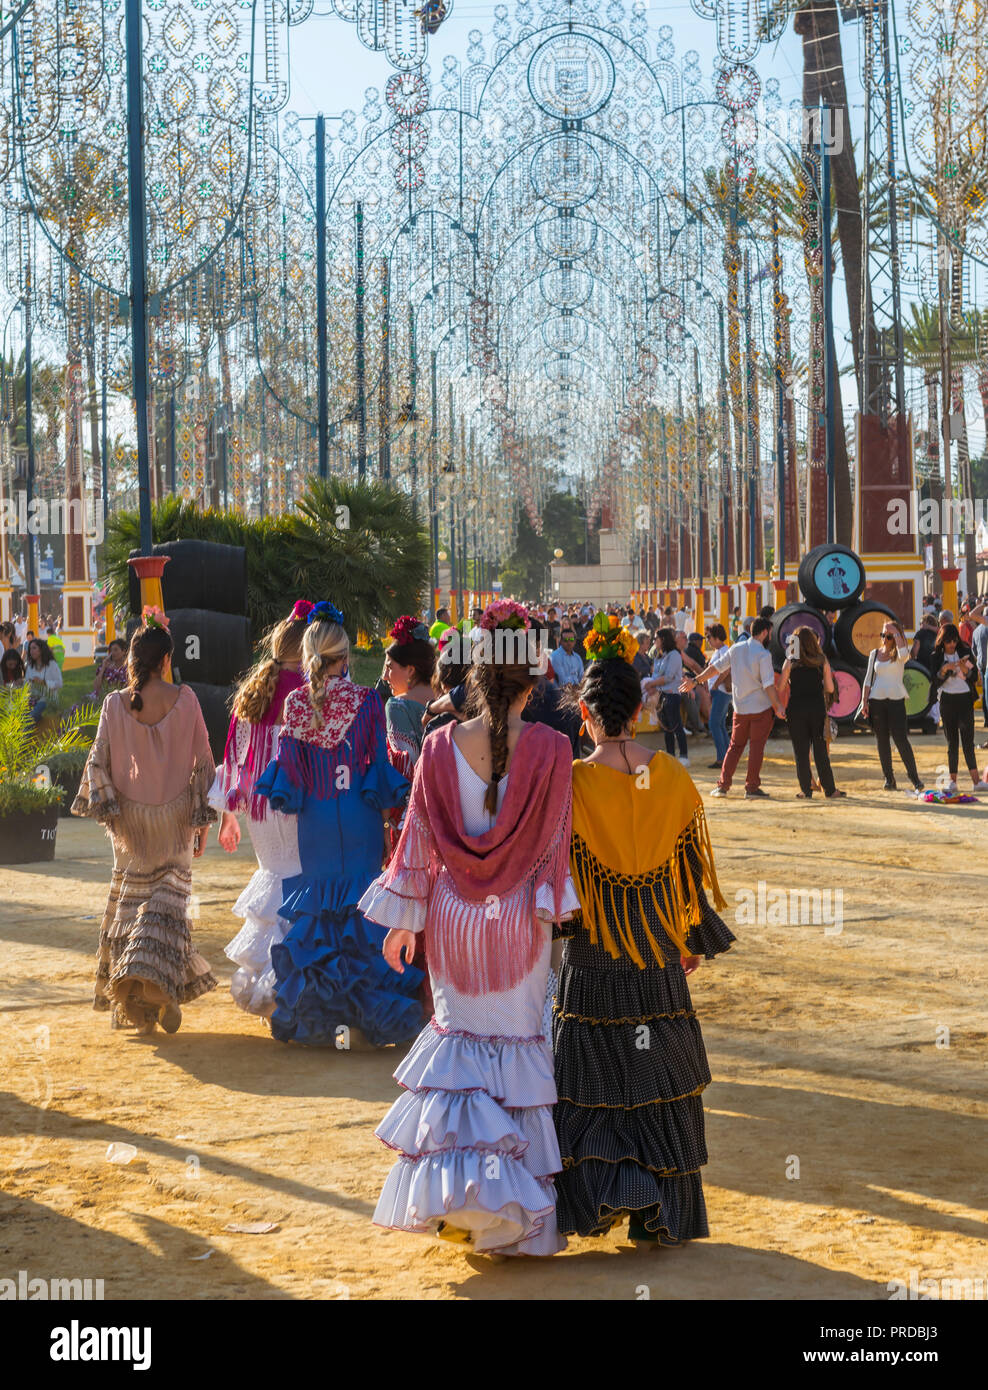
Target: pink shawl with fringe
x=241 y=772
x=528 y=845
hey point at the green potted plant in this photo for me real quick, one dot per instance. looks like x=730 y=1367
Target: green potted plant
x=29 y=795
x=65 y=770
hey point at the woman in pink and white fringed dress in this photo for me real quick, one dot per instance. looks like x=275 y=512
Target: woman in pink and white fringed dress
x=481 y=869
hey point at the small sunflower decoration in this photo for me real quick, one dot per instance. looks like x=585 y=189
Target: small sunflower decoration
x=607 y=641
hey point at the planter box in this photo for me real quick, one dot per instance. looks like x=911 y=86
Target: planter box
x=28 y=839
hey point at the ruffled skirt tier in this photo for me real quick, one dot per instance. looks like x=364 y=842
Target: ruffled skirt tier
x=330 y=975
x=275 y=842
x=145 y=955
x=476 y=1143
x=630 y=1070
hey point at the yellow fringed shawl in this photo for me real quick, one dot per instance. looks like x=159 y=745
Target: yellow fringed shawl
x=630 y=836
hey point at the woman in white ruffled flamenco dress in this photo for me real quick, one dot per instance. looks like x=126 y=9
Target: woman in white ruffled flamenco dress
x=482 y=869
x=251 y=744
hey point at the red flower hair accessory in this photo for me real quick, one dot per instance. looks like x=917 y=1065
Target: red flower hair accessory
x=408 y=629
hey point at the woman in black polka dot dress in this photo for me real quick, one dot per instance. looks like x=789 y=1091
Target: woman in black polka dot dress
x=629 y=1055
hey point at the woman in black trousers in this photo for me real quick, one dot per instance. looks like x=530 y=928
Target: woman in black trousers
x=883 y=699
x=954 y=677
x=809 y=679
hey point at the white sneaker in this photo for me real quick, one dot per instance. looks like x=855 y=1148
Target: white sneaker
x=980 y=787
x=951 y=789
x=686 y=762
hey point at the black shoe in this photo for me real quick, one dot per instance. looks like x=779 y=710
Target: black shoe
x=756 y=795
x=831 y=795
x=890 y=785
x=717 y=765
x=919 y=787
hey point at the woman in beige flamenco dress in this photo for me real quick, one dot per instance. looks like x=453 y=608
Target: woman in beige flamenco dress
x=147 y=779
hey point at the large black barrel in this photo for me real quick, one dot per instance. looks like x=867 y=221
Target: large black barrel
x=214 y=700
x=859 y=629
x=831 y=576
x=210 y=648
x=788 y=619
x=200 y=574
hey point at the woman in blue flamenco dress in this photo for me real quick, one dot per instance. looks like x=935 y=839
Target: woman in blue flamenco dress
x=333 y=986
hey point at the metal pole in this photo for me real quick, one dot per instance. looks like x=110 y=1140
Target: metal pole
x=361 y=382
x=749 y=417
x=322 y=352
x=829 y=349
x=413 y=377
x=700 y=431
x=681 y=458
x=171 y=442
x=104 y=470
x=780 y=428
x=384 y=399
x=725 y=465
x=29 y=568
x=433 y=449
x=138 y=262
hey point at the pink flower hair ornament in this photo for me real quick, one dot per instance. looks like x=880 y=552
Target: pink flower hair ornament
x=152 y=616
x=505 y=614
x=303 y=607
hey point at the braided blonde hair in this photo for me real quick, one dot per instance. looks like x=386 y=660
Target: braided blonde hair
x=256 y=691
x=324 y=645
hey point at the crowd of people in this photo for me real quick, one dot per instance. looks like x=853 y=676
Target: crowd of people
x=481 y=859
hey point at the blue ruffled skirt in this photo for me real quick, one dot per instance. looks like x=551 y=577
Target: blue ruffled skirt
x=330 y=974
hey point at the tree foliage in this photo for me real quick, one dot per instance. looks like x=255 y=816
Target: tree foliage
x=358 y=544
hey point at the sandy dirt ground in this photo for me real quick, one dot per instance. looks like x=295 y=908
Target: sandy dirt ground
x=845 y=1121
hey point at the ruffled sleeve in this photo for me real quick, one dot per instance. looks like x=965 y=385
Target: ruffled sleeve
x=283 y=794
x=97 y=796
x=383 y=785
x=227 y=777
x=544 y=902
x=399 y=897
x=203 y=768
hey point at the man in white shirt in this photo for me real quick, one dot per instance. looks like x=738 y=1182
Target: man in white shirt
x=756 y=704
x=682 y=620
x=633 y=621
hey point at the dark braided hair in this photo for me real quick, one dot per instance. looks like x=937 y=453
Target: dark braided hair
x=611 y=692
x=148 y=650
x=494 y=687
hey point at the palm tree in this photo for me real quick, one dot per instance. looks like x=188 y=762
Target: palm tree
x=921 y=340
x=818 y=25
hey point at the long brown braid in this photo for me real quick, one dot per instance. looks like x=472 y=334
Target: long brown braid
x=256 y=691
x=495 y=688
x=148 y=650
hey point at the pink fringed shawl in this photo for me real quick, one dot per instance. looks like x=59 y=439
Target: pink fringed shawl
x=240 y=773
x=528 y=846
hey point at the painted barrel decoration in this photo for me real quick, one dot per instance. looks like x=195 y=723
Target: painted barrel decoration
x=848 y=681
x=788 y=619
x=214 y=701
x=859 y=629
x=919 y=695
x=210 y=648
x=200 y=574
x=831 y=576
